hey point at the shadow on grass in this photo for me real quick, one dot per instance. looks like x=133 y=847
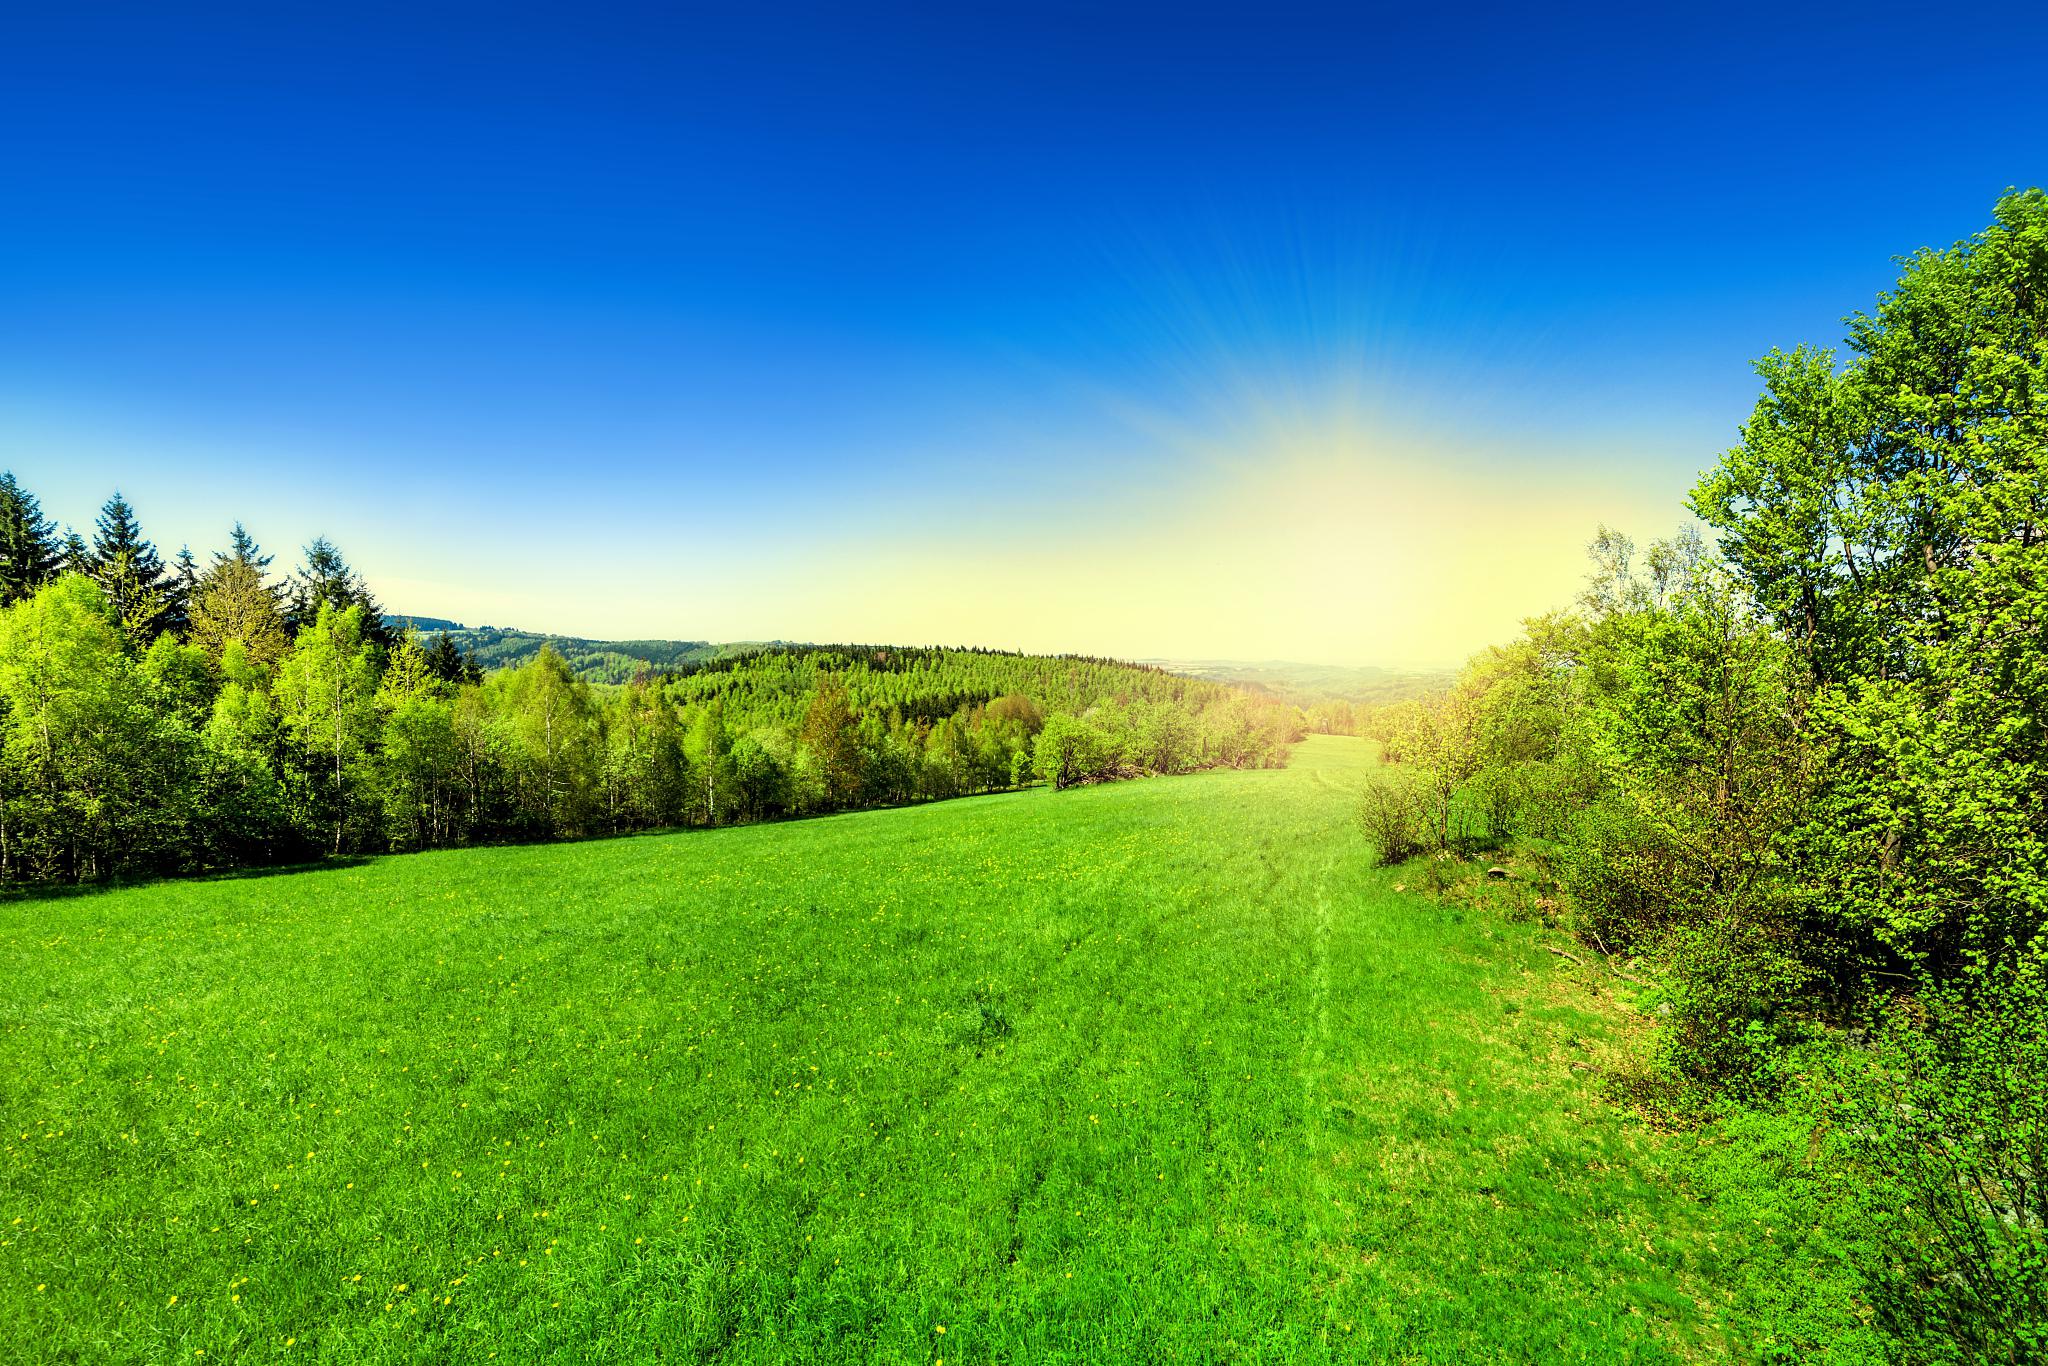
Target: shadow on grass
x=17 y=892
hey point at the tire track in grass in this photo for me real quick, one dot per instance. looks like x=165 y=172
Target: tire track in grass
x=1316 y=1047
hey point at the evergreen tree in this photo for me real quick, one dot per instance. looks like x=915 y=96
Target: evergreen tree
x=326 y=578
x=242 y=548
x=130 y=572
x=75 y=556
x=447 y=663
x=184 y=582
x=29 y=553
x=232 y=601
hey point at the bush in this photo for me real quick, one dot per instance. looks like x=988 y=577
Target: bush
x=1393 y=811
x=1950 y=1136
x=1622 y=880
x=1732 y=983
x=1073 y=749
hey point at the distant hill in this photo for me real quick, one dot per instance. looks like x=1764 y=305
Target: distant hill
x=619 y=661
x=598 y=661
x=1304 y=685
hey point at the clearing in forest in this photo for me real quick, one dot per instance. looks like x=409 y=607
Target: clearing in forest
x=1152 y=1070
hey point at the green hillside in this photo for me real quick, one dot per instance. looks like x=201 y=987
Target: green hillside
x=594 y=661
x=1147 y=1071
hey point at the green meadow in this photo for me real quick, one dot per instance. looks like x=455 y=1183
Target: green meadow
x=1162 y=1070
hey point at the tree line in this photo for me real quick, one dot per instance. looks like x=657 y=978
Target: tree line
x=164 y=717
x=1802 y=773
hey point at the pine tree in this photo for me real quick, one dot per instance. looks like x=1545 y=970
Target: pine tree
x=76 y=556
x=242 y=547
x=232 y=601
x=130 y=572
x=184 y=583
x=326 y=578
x=446 y=662
x=28 y=542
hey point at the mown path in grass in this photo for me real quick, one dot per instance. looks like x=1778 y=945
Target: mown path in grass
x=1154 y=1071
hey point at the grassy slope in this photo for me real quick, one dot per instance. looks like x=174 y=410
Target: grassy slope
x=1157 y=1070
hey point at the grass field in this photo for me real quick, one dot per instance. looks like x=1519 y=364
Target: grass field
x=1160 y=1070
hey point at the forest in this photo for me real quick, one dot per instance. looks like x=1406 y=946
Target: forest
x=163 y=718
x=594 y=661
x=1796 y=777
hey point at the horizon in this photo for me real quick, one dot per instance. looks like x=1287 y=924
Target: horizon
x=1117 y=336
x=1168 y=662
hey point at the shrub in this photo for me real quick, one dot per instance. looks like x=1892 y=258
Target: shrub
x=1073 y=749
x=1950 y=1136
x=1624 y=885
x=1732 y=983
x=1393 y=811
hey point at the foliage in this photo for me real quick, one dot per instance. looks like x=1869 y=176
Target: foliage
x=1887 y=518
x=130 y=572
x=230 y=719
x=1801 y=774
x=29 y=554
x=96 y=770
x=1394 y=812
x=326 y=698
x=1950 y=1134
x=1071 y=750
x=326 y=580
x=593 y=661
x=232 y=602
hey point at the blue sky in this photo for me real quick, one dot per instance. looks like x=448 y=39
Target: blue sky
x=1314 y=333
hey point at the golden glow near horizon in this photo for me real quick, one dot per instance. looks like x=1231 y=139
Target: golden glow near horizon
x=1318 y=540
x=1253 y=524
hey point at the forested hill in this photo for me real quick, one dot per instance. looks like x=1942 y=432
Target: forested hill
x=773 y=684
x=773 y=663
x=169 y=718
x=594 y=661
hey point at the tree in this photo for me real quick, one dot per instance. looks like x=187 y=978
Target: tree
x=182 y=678
x=709 y=748
x=251 y=812
x=449 y=664
x=480 y=759
x=1071 y=750
x=233 y=602
x=131 y=573
x=831 y=733
x=326 y=578
x=1166 y=739
x=418 y=756
x=327 y=700
x=760 y=776
x=553 y=742
x=96 y=769
x=29 y=552
x=646 y=777
x=183 y=579
x=1887 y=516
